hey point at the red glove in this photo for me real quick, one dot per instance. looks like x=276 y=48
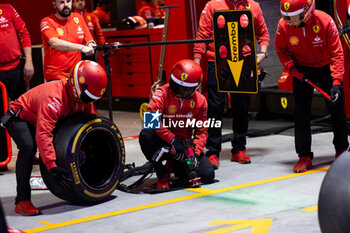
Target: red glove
x=295 y=72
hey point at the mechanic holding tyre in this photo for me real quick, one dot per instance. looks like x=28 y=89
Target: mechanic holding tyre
x=178 y=102
x=31 y=119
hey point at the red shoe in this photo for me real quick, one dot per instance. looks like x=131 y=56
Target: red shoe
x=26 y=208
x=213 y=159
x=303 y=164
x=338 y=154
x=163 y=183
x=240 y=157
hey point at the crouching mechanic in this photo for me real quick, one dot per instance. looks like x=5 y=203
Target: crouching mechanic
x=179 y=102
x=31 y=119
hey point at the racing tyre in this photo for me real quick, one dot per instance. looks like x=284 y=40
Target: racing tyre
x=91 y=148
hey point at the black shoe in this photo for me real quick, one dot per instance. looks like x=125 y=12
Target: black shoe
x=4 y=168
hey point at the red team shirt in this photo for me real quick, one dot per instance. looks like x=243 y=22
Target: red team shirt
x=316 y=44
x=177 y=109
x=11 y=25
x=57 y=64
x=43 y=106
x=205 y=29
x=93 y=24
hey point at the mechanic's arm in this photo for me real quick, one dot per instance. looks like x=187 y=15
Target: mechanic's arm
x=68 y=46
x=46 y=122
x=205 y=31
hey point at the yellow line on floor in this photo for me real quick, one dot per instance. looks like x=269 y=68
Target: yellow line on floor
x=202 y=192
x=46 y=223
x=310 y=209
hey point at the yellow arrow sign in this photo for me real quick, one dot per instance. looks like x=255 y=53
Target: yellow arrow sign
x=257 y=225
x=235 y=64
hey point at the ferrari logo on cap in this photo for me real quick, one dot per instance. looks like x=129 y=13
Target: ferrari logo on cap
x=81 y=79
x=103 y=91
x=184 y=76
x=284 y=102
x=76 y=20
x=0 y=11
x=286 y=6
x=88 y=17
x=316 y=28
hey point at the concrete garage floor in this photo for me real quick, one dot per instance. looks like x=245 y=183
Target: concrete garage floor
x=262 y=197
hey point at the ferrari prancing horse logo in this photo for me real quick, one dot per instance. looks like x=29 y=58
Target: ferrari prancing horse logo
x=316 y=28
x=284 y=102
x=286 y=6
x=184 y=76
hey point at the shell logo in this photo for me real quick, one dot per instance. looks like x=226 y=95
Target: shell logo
x=192 y=104
x=76 y=20
x=294 y=40
x=316 y=28
x=172 y=109
x=59 y=31
x=286 y=6
x=88 y=17
x=81 y=79
x=184 y=76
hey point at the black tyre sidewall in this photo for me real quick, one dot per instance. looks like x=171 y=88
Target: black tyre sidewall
x=68 y=137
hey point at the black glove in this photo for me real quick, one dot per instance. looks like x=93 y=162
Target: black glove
x=177 y=146
x=335 y=93
x=60 y=174
x=178 y=150
x=196 y=160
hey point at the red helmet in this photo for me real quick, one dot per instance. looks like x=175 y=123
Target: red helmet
x=185 y=77
x=303 y=8
x=87 y=81
x=134 y=22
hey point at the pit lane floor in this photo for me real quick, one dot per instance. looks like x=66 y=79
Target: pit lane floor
x=262 y=197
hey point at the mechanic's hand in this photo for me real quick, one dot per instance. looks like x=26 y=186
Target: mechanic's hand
x=196 y=160
x=60 y=174
x=88 y=50
x=177 y=146
x=335 y=93
x=28 y=70
x=296 y=73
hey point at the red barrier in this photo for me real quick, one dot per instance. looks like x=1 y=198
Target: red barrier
x=7 y=136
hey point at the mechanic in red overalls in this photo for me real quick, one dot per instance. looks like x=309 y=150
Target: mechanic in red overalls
x=65 y=36
x=33 y=116
x=14 y=36
x=308 y=45
x=178 y=101
x=216 y=100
